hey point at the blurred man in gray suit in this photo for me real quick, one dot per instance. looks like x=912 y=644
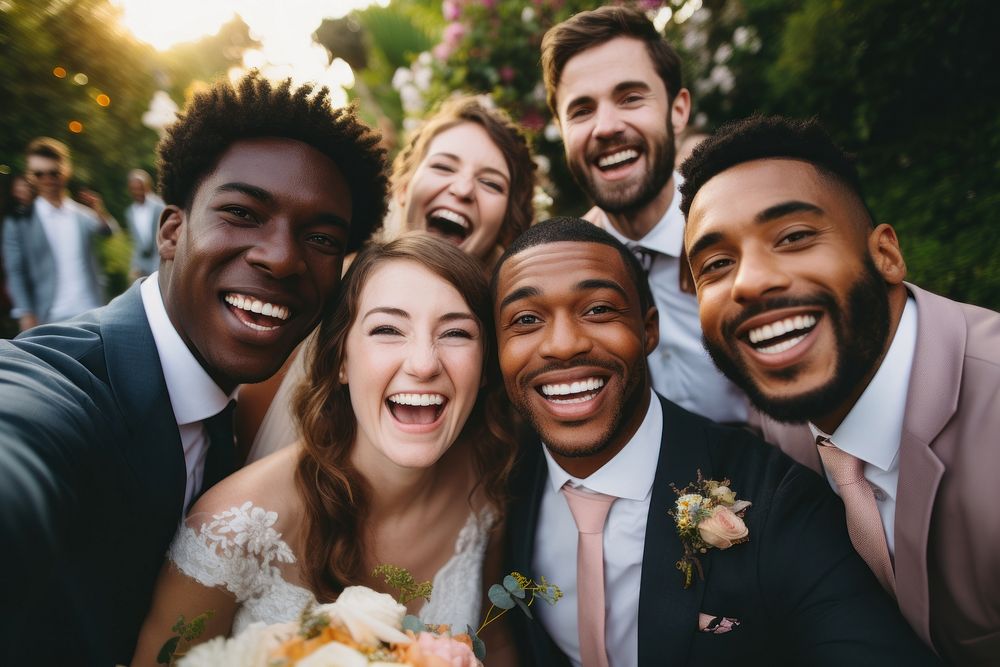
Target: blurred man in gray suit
x=52 y=271
x=143 y=218
x=804 y=305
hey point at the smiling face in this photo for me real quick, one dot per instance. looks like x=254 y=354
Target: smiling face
x=573 y=342
x=618 y=124
x=413 y=364
x=248 y=270
x=459 y=190
x=794 y=287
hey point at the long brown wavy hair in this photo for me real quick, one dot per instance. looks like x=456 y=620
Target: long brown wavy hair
x=336 y=495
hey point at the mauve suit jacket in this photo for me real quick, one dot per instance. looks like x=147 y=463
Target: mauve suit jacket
x=948 y=500
x=802 y=594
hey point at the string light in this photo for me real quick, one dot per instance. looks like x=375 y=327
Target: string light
x=59 y=72
x=75 y=126
x=103 y=100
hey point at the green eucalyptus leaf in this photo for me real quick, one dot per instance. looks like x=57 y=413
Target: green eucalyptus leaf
x=511 y=584
x=166 y=654
x=524 y=608
x=500 y=597
x=478 y=647
x=411 y=622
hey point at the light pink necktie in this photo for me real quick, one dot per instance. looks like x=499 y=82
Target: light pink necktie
x=590 y=510
x=864 y=523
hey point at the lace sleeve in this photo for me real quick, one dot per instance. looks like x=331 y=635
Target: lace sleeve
x=237 y=549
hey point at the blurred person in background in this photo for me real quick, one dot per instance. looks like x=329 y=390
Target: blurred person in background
x=51 y=268
x=17 y=204
x=143 y=218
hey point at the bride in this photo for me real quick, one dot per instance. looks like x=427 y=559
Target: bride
x=402 y=462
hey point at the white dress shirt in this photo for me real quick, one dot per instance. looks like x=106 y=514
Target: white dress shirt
x=629 y=477
x=71 y=256
x=871 y=431
x=681 y=369
x=194 y=396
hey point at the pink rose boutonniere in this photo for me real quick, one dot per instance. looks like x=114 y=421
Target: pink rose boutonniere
x=707 y=515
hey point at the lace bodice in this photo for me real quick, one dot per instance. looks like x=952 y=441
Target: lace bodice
x=240 y=550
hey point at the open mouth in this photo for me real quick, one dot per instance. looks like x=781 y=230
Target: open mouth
x=416 y=409
x=453 y=227
x=781 y=335
x=578 y=391
x=619 y=158
x=256 y=314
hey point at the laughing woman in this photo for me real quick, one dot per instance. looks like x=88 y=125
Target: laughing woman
x=402 y=461
x=467 y=176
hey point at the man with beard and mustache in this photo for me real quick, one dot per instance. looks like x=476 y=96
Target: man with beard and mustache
x=803 y=304
x=575 y=321
x=614 y=88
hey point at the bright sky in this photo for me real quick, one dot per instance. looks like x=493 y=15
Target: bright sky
x=283 y=27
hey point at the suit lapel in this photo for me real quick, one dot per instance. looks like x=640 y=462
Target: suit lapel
x=668 y=612
x=932 y=399
x=153 y=449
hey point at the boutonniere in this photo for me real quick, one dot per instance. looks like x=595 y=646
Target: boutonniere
x=707 y=514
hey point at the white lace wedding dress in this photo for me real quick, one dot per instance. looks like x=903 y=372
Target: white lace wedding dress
x=240 y=551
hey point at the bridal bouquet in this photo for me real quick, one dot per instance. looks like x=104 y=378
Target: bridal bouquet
x=361 y=629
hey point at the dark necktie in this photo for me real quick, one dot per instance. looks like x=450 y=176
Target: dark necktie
x=645 y=257
x=221 y=457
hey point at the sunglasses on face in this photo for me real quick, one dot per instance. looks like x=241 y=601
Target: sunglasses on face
x=52 y=173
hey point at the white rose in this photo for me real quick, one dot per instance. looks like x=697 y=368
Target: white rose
x=248 y=649
x=334 y=655
x=369 y=616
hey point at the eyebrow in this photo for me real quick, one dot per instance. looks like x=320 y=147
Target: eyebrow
x=618 y=89
x=590 y=284
x=399 y=312
x=265 y=197
x=458 y=158
x=769 y=214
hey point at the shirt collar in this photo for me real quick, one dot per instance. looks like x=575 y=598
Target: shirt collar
x=630 y=473
x=667 y=236
x=46 y=208
x=194 y=396
x=872 y=429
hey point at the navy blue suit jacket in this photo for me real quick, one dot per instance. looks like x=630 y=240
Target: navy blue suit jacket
x=802 y=594
x=92 y=480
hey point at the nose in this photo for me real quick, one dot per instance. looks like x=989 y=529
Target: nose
x=564 y=339
x=759 y=275
x=462 y=185
x=607 y=122
x=279 y=252
x=422 y=360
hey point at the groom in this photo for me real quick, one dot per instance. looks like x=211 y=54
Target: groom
x=112 y=423
x=575 y=322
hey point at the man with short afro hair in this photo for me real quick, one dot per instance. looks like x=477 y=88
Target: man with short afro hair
x=113 y=423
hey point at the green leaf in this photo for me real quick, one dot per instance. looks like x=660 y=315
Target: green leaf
x=500 y=597
x=510 y=583
x=411 y=622
x=196 y=627
x=524 y=608
x=478 y=647
x=166 y=654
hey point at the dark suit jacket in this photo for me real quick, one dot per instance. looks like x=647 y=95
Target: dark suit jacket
x=92 y=480
x=802 y=594
x=947 y=532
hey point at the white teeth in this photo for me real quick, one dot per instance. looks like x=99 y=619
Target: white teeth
x=780 y=328
x=256 y=306
x=574 y=388
x=615 y=158
x=451 y=216
x=417 y=399
x=782 y=346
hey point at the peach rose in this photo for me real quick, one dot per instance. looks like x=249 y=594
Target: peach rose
x=723 y=528
x=430 y=650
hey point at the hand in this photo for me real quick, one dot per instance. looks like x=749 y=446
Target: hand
x=26 y=322
x=90 y=199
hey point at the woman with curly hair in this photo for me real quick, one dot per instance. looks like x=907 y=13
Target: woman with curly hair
x=402 y=461
x=466 y=175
